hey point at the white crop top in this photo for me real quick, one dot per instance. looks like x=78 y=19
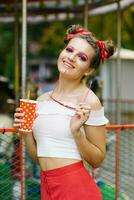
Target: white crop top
x=52 y=131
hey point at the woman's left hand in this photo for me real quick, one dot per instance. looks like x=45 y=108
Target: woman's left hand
x=80 y=117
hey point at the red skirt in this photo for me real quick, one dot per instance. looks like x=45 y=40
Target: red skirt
x=71 y=182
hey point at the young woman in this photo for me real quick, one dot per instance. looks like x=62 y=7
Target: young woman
x=70 y=122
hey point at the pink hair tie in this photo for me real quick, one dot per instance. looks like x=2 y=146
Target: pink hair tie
x=103 y=51
x=77 y=31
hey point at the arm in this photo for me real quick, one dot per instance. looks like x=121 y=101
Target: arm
x=31 y=146
x=91 y=145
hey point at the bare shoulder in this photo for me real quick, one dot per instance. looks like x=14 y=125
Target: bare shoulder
x=93 y=101
x=44 y=96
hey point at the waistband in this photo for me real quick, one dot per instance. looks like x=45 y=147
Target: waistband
x=63 y=170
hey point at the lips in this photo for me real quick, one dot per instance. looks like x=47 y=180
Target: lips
x=68 y=65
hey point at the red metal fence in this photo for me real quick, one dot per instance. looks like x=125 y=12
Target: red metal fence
x=116 y=174
x=19 y=176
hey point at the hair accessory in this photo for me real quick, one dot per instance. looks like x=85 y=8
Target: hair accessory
x=77 y=31
x=103 y=51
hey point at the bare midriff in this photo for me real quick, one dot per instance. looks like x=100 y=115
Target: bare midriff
x=47 y=163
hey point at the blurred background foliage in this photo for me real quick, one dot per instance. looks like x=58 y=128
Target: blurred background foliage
x=49 y=37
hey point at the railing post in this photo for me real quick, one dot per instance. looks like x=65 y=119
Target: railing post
x=86 y=14
x=23 y=86
x=116 y=163
x=118 y=64
x=24 y=47
x=22 y=179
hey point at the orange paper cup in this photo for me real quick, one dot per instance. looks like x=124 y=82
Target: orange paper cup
x=28 y=108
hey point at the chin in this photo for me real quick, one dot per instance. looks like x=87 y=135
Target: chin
x=61 y=68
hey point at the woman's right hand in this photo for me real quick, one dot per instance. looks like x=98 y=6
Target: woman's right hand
x=18 y=118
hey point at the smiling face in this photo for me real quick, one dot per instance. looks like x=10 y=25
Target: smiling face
x=74 y=60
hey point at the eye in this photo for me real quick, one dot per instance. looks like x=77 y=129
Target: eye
x=83 y=57
x=69 y=49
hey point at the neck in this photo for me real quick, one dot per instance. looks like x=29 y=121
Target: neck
x=66 y=86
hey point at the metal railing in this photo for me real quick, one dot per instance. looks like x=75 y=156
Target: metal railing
x=115 y=177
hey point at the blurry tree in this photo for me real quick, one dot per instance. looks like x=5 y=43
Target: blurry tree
x=128 y=28
x=6 y=48
x=50 y=36
x=52 y=39
x=75 y=1
x=104 y=27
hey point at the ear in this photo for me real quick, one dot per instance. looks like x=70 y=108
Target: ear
x=91 y=71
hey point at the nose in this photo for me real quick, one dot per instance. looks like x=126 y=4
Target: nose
x=72 y=57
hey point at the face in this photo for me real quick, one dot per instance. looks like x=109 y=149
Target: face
x=74 y=60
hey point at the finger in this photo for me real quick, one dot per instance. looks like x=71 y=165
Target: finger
x=16 y=125
x=86 y=115
x=18 y=114
x=85 y=107
x=79 y=113
x=18 y=109
x=83 y=103
x=85 y=111
x=19 y=120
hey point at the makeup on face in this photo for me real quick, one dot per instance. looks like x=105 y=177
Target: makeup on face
x=75 y=57
x=80 y=54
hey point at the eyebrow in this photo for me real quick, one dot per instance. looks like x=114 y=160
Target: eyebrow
x=80 y=52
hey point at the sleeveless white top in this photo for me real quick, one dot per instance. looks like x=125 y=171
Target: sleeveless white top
x=52 y=131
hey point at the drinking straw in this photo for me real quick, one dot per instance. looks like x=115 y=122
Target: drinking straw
x=28 y=94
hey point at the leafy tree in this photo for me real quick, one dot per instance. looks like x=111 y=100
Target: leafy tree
x=127 y=28
x=50 y=36
x=52 y=39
